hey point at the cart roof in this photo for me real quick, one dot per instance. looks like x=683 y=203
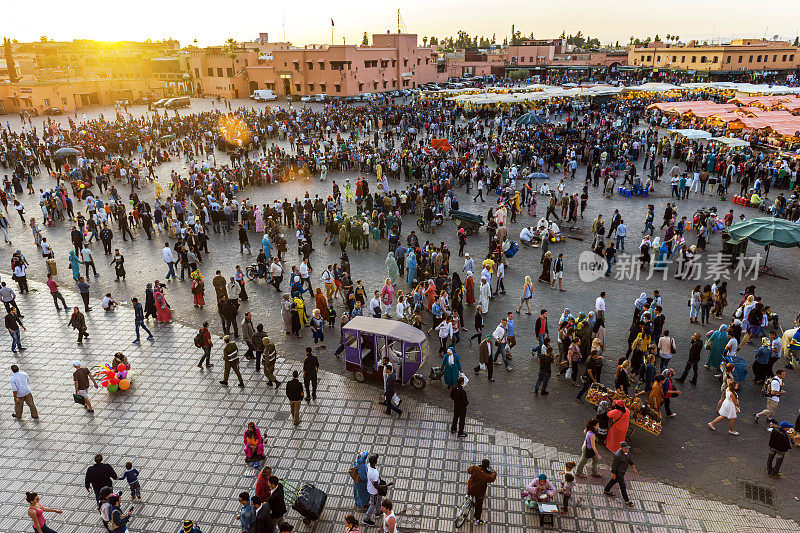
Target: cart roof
x=382 y=326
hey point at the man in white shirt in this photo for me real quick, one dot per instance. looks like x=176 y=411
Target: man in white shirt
x=526 y=235
x=469 y=263
x=22 y=393
x=169 y=259
x=501 y=338
x=373 y=479
x=600 y=306
x=276 y=274
x=776 y=387
x=375 y=305
x=327 y=279
x=622 y=232
x=304 y=277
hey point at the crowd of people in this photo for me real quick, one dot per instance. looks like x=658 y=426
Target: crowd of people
x=426 y=285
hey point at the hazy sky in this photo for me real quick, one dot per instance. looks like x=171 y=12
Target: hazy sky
x=308 y=21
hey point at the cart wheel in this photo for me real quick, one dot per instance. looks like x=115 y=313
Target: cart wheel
x=469 y=231
x=252 y=273
x=418 y=382
x=359 y=376
x=420 y=222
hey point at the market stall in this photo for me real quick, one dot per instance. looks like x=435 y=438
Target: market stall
x=642 y=416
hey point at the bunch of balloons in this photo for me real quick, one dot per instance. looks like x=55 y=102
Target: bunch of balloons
x=115 y=379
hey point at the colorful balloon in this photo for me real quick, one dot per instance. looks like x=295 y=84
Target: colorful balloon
x=124 y=384
x=123 y=374
x=114 y=381
x=120 y=367
x=112 y=388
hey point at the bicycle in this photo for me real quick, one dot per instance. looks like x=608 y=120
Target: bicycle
x=464 y=511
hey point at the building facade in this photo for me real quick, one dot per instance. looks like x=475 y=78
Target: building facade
x=394 y=61
x=217 y=71
x=738 y=56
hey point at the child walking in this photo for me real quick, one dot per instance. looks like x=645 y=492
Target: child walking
x=131 y=475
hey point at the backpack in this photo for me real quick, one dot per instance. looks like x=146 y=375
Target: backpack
x=766 y=388
x=198 y=339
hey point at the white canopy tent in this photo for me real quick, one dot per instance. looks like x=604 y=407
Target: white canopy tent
x=691 y=134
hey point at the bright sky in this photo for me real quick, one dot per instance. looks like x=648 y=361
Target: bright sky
x=308 y=21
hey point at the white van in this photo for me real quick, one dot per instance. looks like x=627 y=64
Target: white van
x=264 y=95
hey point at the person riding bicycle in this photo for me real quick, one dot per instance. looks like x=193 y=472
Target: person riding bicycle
x=480 y=477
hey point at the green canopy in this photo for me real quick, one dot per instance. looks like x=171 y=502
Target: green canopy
x=767 y=231
x=530 y=118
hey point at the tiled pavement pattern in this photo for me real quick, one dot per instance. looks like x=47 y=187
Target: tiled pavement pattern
x=182 y=430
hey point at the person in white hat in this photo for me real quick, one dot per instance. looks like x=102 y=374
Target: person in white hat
x=81 y=377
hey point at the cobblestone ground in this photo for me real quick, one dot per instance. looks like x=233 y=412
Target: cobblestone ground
x=687 y=454
x=182 y=430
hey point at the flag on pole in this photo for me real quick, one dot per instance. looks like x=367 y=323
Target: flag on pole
x=332 y=23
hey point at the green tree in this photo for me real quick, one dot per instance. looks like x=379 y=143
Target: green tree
x=494 y=39
x=657 y=38
x=434 y=41
x=43 y=38
x=365 y=40
x=10 y=65
x=796 y=41
x=425 y=41
x=231 y=46
x=519 y=75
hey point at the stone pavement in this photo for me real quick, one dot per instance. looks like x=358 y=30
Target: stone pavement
x=182 y=430
x=687 y=454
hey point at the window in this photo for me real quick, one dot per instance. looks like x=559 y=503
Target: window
x=694 y=59
x=196 y=72
x=791 y=57
x=47 y=102
x=210 y=71
x=309 y=65
x=647 y=58
x=350 y=339
x=338 y=88
x=394 y=83
x=728 y=60
x=394 y=62
x=360 y=87
x=297 y=87
x=683 y=59
x=412 y=353
x=702 y=59
x=374 y=85
x=658 y=59
x=229 y=72
x=758 y=58
x=384 y=84
x=371 y=64
x=740 y=59
x=63 y=101
x=219 y=72
x=784 y=57
x=323 y=88
x=311 y=87
x=715 y=60
x=322 y=65
x=775 y=58
x=405 y=83
x=405 y=62
x=384 y=64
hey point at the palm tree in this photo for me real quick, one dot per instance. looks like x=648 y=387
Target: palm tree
x=231 y=46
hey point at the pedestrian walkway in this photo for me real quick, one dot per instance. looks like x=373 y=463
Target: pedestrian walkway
x=183 y=432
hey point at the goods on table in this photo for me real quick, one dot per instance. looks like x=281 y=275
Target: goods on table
x=642 y=415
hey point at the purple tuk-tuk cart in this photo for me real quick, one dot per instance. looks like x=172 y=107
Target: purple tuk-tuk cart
x=367 y=340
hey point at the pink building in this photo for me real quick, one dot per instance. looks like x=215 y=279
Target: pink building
x=535 y=52
x=462 y=63
x=394 y=61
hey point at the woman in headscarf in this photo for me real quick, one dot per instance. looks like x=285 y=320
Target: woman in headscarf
x=286 y=313
x=253 y=444
x=430 y=294
x=532 y=204
x=198 y=289
x=391 y=267
x=644 y=249
x=75 y=265
x=162 y=307
x=322 y=304
x=619 y=415
x=150 y=302
x=546 y=262
x=360 y=493
x=411 y=266
x=761 y=362
x=716 y=346
x=259 y=218
x=469 y=289
x=451 y=364
x=262 y=489
x=638 y=306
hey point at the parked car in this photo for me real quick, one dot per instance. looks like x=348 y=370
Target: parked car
x=53 y=111
x=175 y=103
x=264 y=95
x=160 y=103
x=292 y=97
x=322 y=97
x=307 y=98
